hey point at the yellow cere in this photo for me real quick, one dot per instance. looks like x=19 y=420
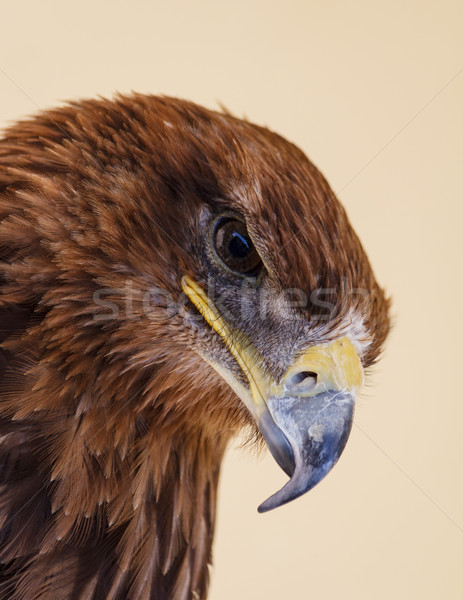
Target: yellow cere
x=337 y=365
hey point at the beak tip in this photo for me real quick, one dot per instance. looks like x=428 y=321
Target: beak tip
x=315 y=456
x=263 y=508
x=298 y=485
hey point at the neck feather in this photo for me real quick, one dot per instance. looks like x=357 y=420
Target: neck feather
x=108 y=524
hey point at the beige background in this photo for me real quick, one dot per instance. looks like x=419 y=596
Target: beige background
x=373 y=92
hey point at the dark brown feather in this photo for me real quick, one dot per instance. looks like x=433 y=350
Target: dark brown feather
x=112 y=430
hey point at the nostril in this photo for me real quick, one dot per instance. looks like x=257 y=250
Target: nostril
x=302 y=376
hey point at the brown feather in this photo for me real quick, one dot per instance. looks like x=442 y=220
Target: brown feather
x=112 y=428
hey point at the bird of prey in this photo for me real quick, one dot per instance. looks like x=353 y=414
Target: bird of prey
x=169 y=276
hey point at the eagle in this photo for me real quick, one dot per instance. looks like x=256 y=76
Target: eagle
x=170 y=276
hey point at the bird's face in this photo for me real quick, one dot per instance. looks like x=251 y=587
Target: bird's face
x=298 y=384
x=279 y=298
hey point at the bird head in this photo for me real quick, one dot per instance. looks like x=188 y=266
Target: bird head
x=199 y=267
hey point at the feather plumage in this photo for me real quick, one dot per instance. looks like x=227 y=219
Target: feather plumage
x=112 y=429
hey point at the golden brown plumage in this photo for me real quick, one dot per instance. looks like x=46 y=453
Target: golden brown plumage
x=113 y=423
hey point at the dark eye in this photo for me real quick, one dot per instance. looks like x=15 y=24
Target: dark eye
x=234 y=247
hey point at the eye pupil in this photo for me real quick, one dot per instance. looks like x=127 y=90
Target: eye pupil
x=234 y=248
x=239 y=246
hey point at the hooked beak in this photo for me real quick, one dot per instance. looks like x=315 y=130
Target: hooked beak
x=306 y=417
